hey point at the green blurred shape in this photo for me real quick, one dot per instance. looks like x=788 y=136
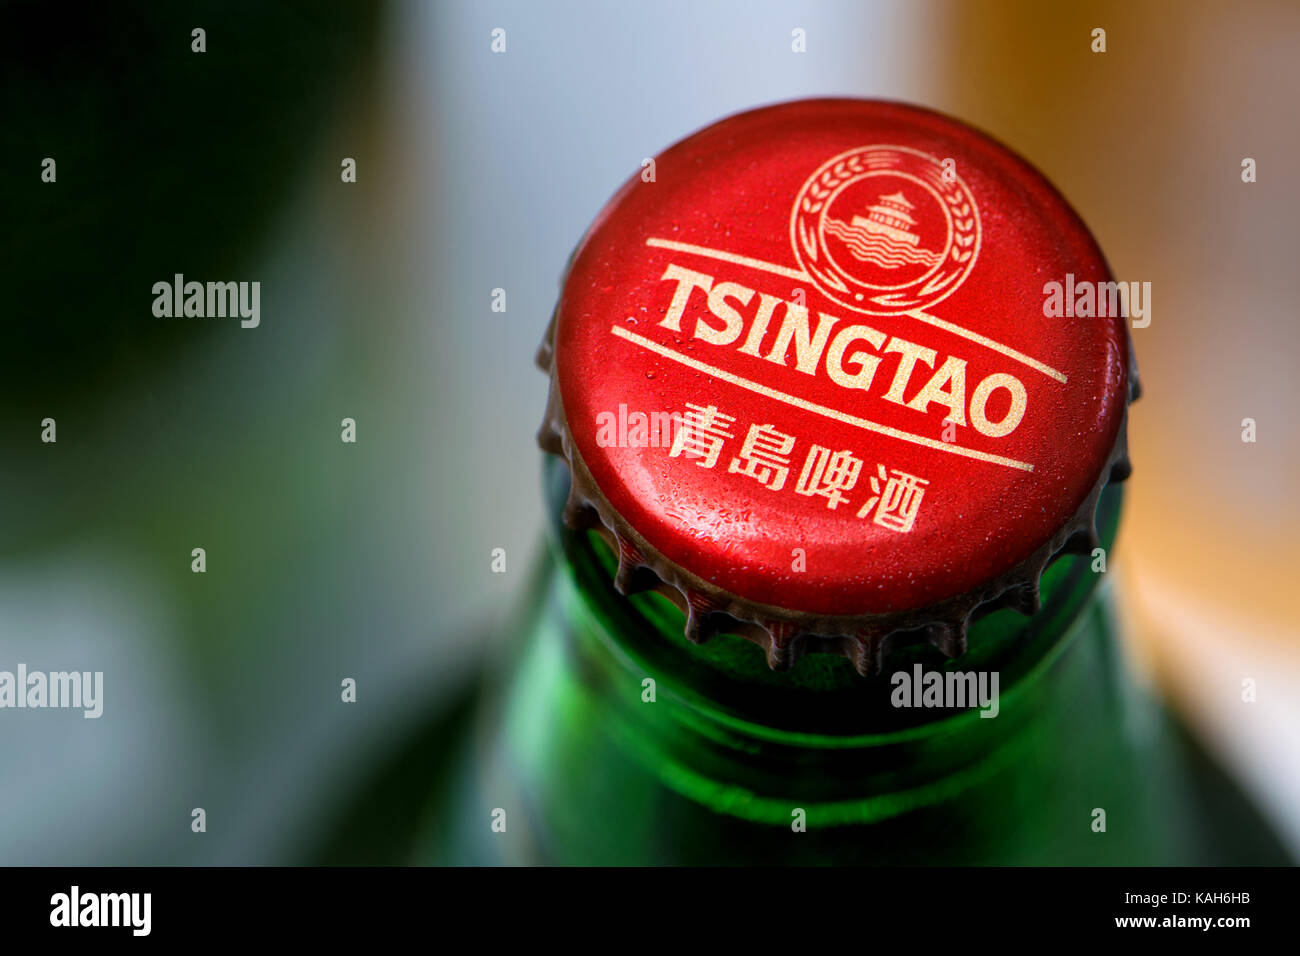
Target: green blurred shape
x=168 y=161
x=712 y=771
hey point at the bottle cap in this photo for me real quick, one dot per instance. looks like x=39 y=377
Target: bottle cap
x=829 y=374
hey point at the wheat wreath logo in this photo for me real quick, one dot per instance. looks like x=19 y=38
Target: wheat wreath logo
x=880 y=230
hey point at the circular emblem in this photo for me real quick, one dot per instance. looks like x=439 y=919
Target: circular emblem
x=885 y=229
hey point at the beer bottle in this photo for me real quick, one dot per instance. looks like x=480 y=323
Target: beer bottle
x=836 y=431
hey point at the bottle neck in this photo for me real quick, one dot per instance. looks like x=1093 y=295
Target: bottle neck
x=715 y=724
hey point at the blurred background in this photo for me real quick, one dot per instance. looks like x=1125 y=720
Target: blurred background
x=477 y=171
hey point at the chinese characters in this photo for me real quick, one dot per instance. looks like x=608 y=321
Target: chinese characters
x=766 y=455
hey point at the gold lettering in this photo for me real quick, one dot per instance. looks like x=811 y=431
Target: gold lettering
x=766 y=306
x=719 y=306
x=953 y=370
x=980 y=398
x=910 y=352
x=686 y=281
x=867 y=363
x=808 y=347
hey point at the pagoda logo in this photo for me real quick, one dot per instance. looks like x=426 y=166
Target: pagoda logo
x=885 y=229
x=884 y=236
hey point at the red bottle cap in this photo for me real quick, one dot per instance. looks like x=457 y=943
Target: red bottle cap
x=805 y=368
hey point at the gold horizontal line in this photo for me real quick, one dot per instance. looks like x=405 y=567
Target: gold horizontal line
x=988 y=343
x=796 y=274
x=807 y=406
x=920 y=316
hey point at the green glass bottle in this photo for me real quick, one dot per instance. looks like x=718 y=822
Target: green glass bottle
x=716 y=767
x=838 y=409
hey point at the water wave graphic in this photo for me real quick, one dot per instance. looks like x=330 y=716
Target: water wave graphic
x=879 y=248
